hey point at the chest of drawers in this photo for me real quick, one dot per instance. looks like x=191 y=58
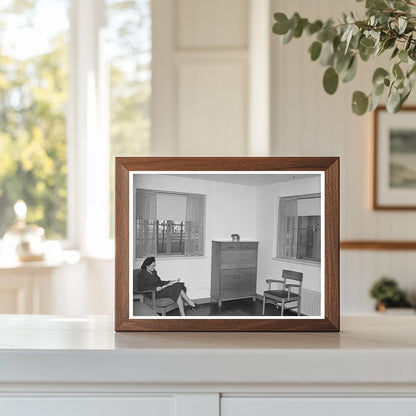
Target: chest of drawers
x=233 y=270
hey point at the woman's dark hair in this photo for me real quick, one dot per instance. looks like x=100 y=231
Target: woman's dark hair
x=147 y=262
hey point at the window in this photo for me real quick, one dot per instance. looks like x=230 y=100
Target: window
x=33 y=102
x=169 y=223
x=129 y=57
x=298 y=229
x=75 y=87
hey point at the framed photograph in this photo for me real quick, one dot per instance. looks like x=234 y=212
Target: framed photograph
x=227 y=244
x=394 y=180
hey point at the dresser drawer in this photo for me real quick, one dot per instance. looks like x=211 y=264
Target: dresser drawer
x=239 y=272
x=239 y=246
x=237 y=282
x=238 y=257
x=236 y=293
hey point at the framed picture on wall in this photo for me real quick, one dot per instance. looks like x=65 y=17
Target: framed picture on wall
x=394 y=179
x=227 y=244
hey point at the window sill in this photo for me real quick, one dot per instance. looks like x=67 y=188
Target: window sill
x=303 y=262
x=161 y=257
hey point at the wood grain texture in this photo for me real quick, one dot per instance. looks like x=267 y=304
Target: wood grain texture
x=330 y=165
x=378 y=245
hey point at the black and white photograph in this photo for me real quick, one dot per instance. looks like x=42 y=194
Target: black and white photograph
x=226 y=245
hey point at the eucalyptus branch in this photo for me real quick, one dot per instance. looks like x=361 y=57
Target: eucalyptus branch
x=388 y=26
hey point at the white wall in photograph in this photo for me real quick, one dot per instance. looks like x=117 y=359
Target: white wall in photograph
x=268 y=266
x=230 y=209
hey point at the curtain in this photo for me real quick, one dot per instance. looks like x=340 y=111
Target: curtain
x=146 y=223
x=287 y=228
x=194 y=225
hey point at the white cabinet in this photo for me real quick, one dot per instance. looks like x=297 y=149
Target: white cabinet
x=323 y=406
x=88 y=406
x=79 y=366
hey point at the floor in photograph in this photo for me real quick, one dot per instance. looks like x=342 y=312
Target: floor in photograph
x=239 y=307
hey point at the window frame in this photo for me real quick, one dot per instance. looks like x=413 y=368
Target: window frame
x=276 y=242
x=174 y=255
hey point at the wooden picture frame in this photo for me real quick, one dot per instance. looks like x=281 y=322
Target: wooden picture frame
x=132 y=172
x=394 y=158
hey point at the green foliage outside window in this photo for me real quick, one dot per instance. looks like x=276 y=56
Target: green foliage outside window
x=33 y=99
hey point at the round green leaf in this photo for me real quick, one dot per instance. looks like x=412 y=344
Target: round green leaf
x=379 y=75
x=314 y=27
x=327 y=54
x=374 y=102
x=351 y=71
x=330 y=80
x=397 y=71
x=281 y=26
x=389 y=43
x=315 y=50
x=378 y=90
x=395 y=52
x=408 y=42
x=403 y=55
x=288 y=37
x=359 y=103
x=367 y=42
x=393 y=101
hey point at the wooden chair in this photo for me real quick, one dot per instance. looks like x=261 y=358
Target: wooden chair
x=287 y=294
x=159 y=305
x=140 y=308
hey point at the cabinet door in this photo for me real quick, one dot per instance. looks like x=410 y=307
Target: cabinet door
x=273 y=406
x=88 y=406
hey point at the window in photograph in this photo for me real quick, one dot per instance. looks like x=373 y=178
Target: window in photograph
x=169 y=223
x=299 y=229
x=33 y=107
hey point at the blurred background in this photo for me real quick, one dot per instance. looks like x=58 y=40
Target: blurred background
x=83 y=81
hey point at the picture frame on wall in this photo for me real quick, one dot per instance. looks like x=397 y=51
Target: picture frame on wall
x=227 y=244
x=394 y=152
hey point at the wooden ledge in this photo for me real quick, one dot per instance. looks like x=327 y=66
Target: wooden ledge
x=377 y=245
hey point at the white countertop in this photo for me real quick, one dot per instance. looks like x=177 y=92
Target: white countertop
x=53 y=349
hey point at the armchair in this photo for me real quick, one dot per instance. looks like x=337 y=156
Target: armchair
x=289 y=293
x=140 y=308
x=159 y=305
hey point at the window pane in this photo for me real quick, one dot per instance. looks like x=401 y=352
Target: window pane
x=129 y=51
x=33 y=100
x=309 y=238
x=161 y=236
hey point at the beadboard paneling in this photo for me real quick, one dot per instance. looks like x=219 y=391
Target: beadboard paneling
x=308 y=122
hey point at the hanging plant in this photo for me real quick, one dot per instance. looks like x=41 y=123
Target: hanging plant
x=389 y=27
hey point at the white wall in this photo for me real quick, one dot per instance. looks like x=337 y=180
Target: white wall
x=200 y=77
x=230 y=209
x=209 y=43
x=269 y=267
x=308 y=122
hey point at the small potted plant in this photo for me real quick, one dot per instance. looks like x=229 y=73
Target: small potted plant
x=387 y=294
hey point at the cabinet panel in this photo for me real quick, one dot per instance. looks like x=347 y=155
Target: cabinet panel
x=269 y=406
x=88 y=406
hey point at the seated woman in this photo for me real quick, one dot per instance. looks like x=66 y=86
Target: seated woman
x=147 y=279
